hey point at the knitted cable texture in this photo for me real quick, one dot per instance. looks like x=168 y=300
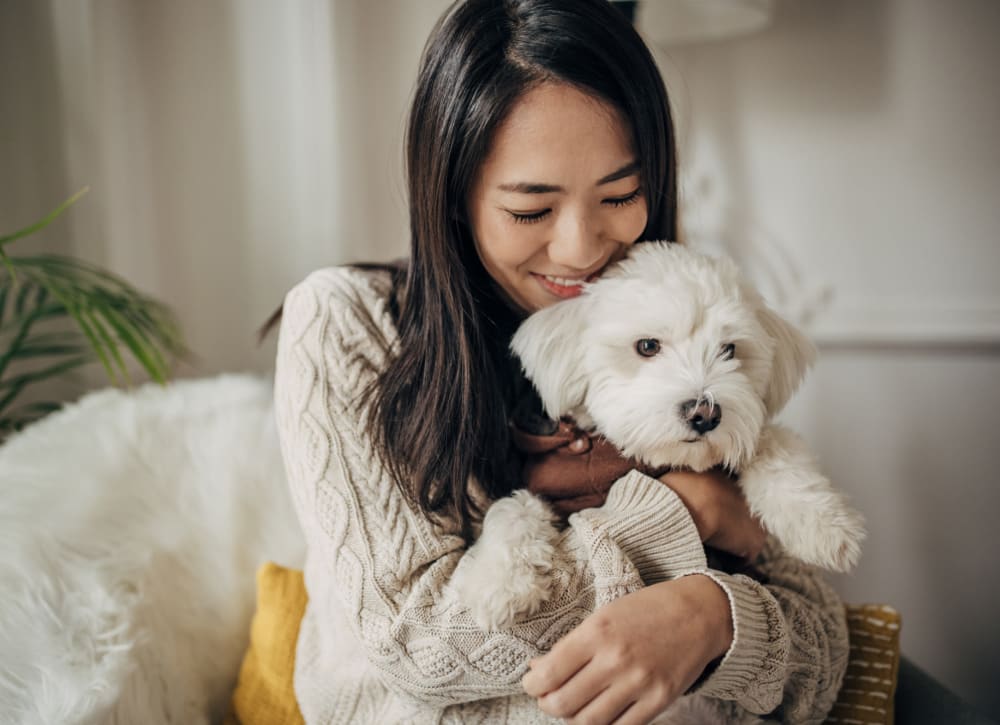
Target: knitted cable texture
x=381 y=640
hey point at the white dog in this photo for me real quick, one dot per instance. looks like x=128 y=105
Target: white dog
x=677 y=362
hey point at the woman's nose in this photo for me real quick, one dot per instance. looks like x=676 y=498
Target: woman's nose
x=576 y=242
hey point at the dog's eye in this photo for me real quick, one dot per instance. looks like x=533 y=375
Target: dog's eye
x=647 y=347
x=728 y=351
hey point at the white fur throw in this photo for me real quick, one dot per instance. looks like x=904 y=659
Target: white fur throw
x=131 y=528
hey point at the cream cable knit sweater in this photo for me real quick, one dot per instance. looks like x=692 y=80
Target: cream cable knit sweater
x=381 y=643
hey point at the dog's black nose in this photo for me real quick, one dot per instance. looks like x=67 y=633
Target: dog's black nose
x=701 y=416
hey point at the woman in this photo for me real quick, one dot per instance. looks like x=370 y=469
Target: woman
x=539 y=147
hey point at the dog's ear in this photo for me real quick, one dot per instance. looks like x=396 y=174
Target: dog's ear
x=549 y=345
x=793 y=355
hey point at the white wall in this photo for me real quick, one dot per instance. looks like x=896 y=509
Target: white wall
x=230 y=147
x=850 y=154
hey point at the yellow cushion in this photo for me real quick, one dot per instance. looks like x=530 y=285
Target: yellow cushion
x=869 y=688
x=264 y=694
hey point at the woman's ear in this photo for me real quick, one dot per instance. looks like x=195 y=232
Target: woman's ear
x=550 y=346
x=794 y=354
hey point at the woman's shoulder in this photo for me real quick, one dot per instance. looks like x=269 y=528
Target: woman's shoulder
x=363 y=292
x=347 y=284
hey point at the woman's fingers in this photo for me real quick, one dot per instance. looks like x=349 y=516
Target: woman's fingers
x=608 y=706
x=639 y=713
x=590 y=685
x=602 y=694
x=551 y=670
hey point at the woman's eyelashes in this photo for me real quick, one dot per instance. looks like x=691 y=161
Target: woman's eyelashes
x=626 y=200
x=536 y=216
x=529 y=217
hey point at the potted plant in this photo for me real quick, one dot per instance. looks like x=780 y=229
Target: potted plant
x=59 y=313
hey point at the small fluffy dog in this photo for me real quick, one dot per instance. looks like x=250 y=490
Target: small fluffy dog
x=677 y=362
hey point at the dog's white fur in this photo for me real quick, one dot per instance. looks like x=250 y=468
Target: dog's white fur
x=581 y=356
x=131 y=526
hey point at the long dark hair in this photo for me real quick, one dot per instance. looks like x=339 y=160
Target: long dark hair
x=440 y=408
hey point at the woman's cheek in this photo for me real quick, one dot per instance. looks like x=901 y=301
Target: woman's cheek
x=506 y=246
x=630 y=222
x=521 y=243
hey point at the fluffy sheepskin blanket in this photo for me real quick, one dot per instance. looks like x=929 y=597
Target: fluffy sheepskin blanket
x=131 y=528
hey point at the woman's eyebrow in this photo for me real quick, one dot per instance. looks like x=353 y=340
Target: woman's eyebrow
x=632 y=167
x=529 y=187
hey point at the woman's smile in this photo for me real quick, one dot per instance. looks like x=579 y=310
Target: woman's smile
x=564 y=287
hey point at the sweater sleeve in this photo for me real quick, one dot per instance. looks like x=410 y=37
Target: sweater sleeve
x=375 y=556
x=790 y=646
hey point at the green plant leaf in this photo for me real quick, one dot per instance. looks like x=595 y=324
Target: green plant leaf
x=24 y=324
x=49 y=311
x=145 y=326
x=26 y=414
x=153 y=338
x=94 y=315
x=158 y=321
x=33 y=349
x=22 y=298
x=41 y=407
x=144 y=352
x=14 y=385
x=4 y=292
x=97 y=343
x=45 y=221
x=43 y=374
x=66 y=313
x=9 y=265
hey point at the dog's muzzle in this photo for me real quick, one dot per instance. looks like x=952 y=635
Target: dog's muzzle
x=701 y=416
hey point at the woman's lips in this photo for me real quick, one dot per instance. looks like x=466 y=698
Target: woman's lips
x=562 y=286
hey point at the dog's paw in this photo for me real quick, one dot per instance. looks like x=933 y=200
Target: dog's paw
x=507 y=572
x=830 y=539
x=796 y=503
x=846 y=533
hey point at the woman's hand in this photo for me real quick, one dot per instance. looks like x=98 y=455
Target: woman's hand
x=629 y=660
x=719 y=511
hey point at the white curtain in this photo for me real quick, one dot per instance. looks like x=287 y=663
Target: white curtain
x=230 y=146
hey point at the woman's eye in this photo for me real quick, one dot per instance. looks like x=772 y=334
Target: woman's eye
x=529 y=218
x=647 y=347
x=624 y=200
x=728 y=351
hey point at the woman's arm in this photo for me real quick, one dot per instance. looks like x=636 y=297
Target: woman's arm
x=783 y=634
x=790 y=648
x=374 y=556
x=634 y=657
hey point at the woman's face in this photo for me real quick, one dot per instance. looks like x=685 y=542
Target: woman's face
x=558 y=197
